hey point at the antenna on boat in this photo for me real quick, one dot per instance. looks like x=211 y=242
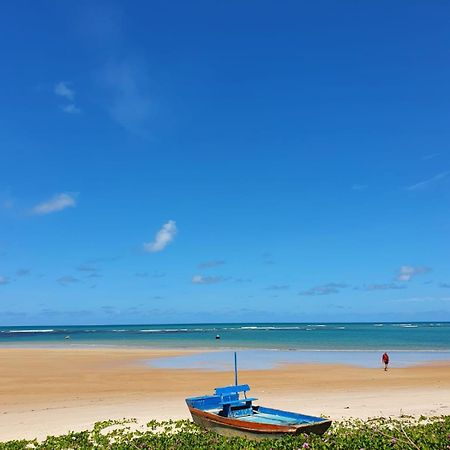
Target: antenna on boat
x=235 y=370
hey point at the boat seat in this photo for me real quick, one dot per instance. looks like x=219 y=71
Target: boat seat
x=229 y=395
x=233 y=389
x=239 y=402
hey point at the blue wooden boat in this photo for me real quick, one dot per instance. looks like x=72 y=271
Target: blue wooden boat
x=231 y=413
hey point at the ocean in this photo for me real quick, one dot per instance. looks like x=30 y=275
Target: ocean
x=259 y=345
x=426 y=336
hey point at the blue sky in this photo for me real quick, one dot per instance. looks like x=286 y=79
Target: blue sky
x=172 y=161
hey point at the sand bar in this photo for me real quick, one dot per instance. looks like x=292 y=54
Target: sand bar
x=52 y=391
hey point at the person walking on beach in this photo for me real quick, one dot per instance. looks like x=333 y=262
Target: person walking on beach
x=385 y=360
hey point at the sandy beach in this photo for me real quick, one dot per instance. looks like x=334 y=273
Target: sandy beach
x=52 y=391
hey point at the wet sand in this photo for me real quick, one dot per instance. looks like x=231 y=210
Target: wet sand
x=52 y=391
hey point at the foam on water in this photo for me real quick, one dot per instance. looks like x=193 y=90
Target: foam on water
x=30 y=331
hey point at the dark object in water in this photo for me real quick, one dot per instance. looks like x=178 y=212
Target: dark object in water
x=217 y=336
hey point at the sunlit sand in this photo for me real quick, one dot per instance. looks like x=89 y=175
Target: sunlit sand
x=52 y=391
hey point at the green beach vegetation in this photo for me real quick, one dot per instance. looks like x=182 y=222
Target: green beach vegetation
x=375 y=434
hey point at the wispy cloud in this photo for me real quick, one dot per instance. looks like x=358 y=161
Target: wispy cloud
x=201 y=279
x=71 y=109
x=4 y=280
x=129 y=101
x=381 y=287
x=110 y=310
x=89 y=271
x=157 y=274
x=210 y=264
x=56 y=203
x=154 y=274
x=242 y=280
x=127 y=82
x=6 y=199
x=278 y=287
x=422 y=185
x=406 y=273
x=67 y=279
x=324 y=289
x=268 y=258
x=94 y=275
x=62 y=89
x=430 y=156
x=162 y=238
x=7 y=204
x=22 y=272
x=141 y=274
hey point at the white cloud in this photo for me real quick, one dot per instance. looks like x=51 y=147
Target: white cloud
x=62 y=89
x=4 y=280
x=56 y=203
x=71 y=109
x=428 y=183
x=200 y=279
x=162 y=238
x=406 y=273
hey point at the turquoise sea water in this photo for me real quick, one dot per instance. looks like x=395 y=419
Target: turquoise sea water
x=259 y=359
x=428 y=336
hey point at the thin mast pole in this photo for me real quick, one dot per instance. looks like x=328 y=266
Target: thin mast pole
x=235 y=370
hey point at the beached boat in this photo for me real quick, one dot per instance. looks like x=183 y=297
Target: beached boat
x=231 y=413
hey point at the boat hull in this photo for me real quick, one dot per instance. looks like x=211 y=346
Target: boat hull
x=253 y=430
